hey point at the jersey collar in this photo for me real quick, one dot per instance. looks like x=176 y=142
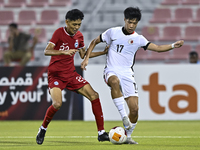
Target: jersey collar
x=67 y=32
x=125 y=32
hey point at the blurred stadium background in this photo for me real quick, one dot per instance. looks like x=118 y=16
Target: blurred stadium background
x=163 y=21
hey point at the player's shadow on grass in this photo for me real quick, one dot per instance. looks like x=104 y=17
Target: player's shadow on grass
x=77 y=143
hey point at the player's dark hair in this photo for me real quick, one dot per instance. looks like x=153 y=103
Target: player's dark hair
x=132 y=13
x=192 y=53
x=74 y=14
x=13 y=25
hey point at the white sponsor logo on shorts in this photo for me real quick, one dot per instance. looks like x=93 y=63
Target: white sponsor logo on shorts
x=80 y=79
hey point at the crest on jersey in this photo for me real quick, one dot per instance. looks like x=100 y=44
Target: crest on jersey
x=56 y=83
x=130 y=41
x=76 y=44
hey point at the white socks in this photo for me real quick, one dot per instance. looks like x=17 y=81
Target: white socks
x=101 y=132
x=43 y=127
x=119 y=103
x=130 y=131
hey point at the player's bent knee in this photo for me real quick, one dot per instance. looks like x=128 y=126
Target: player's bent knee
x=94 y=96
x=114 y=82
x=57 y=105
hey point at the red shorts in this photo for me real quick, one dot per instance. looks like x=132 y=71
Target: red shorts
x=74 y=82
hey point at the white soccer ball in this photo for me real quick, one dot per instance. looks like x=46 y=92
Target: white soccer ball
x=117 y=135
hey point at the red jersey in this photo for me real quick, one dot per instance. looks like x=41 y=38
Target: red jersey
x=63 y=65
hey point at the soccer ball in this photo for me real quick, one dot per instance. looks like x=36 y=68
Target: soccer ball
x=117 y=135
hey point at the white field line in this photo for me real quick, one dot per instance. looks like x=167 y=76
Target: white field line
x=78 y=137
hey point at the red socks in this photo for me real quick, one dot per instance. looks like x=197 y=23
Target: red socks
x=96 y=108
x=97 y=111
x=48 y=116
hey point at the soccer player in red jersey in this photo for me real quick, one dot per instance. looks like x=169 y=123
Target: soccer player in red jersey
x=65 y=42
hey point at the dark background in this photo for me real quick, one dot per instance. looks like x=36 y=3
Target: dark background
x=72 y=109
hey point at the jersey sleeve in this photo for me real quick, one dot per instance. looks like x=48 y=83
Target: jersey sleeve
x=81 y=44
x=106 y=36
x=55 y=37
x=144 y=42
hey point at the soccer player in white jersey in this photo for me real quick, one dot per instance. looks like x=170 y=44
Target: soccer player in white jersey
x=123 y=44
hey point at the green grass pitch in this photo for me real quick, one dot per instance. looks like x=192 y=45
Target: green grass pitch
x=82 y=135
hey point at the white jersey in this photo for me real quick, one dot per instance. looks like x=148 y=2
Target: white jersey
x=122 y=48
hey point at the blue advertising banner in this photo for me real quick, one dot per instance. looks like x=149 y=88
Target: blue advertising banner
x=24 y=95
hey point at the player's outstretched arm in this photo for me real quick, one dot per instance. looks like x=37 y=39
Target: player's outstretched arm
x=49 y=51
x=89 y=50
x=95 y=54
x=82 y=52
x=163 y=48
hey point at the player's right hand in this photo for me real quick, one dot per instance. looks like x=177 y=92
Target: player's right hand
x=70 y=52
x=84 y=64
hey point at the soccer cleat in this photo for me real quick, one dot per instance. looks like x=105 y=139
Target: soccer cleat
x=129 y=140
x=40 y=136
x=103 y=137
x=126 y=122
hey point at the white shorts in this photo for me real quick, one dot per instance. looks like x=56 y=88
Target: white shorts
x=127 y=81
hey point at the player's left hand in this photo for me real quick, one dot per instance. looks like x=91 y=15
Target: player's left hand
x=106 y=49
x=178 y=44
